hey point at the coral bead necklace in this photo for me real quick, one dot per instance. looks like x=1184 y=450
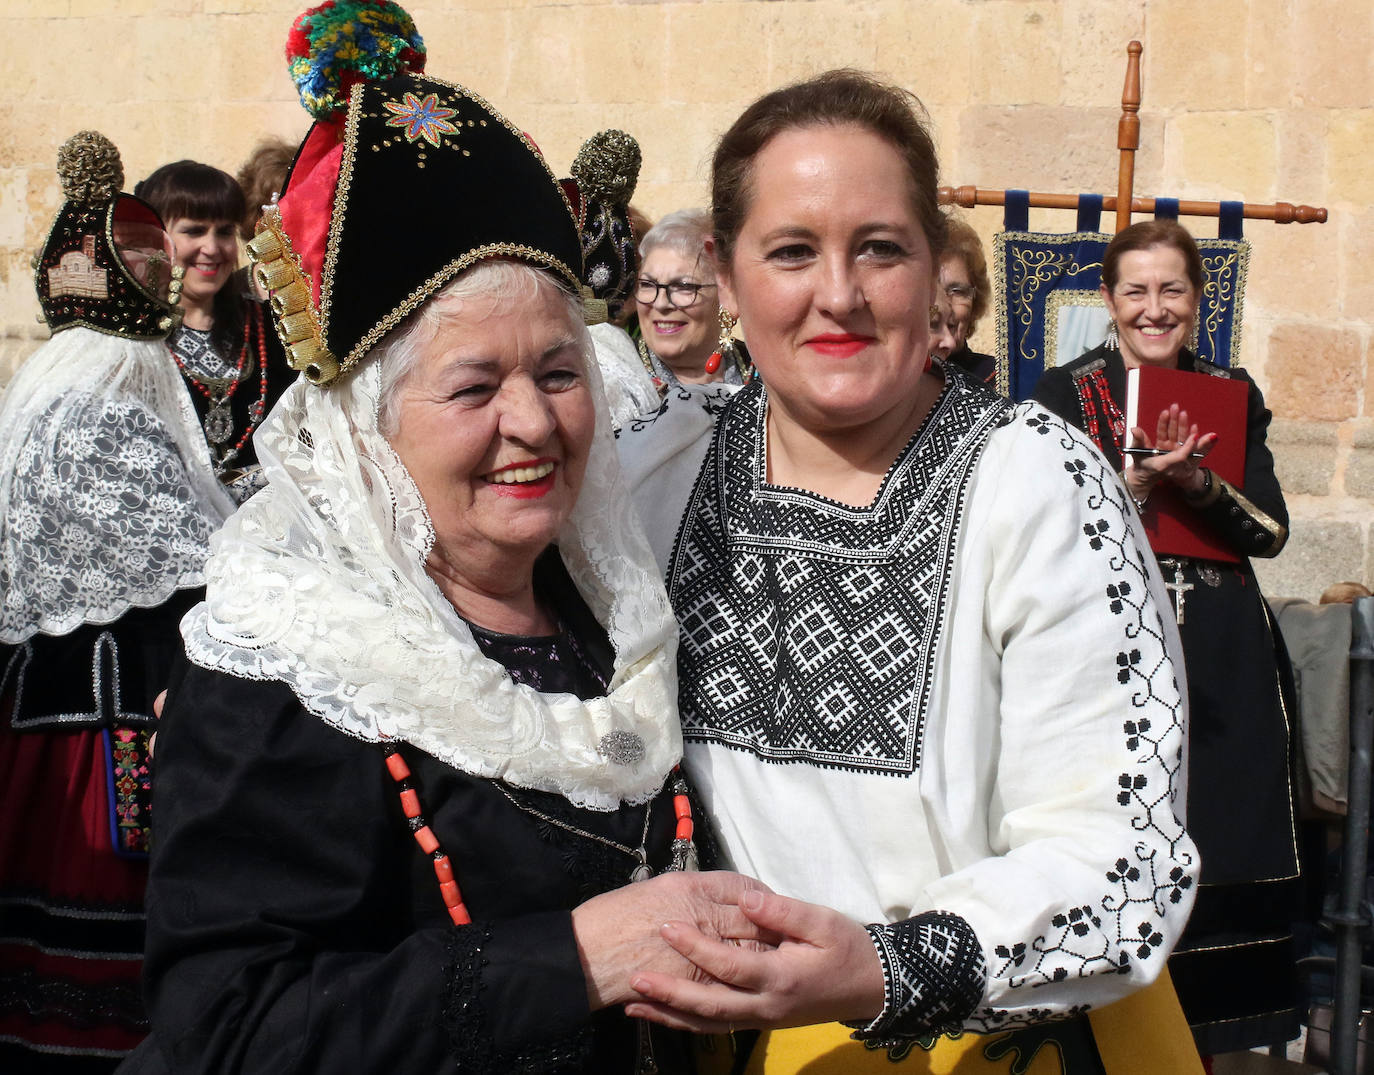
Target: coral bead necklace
x=219 y=421
x=684 y=855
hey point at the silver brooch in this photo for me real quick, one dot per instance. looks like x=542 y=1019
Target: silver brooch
x=622 y=748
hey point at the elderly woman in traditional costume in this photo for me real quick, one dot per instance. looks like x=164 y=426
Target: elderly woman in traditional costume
x=107 y=504
x=426 y=734
x=925 y=681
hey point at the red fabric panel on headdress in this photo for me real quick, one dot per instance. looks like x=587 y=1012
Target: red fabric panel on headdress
x=574 y=193
x=308 y=203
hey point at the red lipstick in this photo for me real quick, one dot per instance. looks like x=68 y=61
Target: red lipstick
x=839 y=344
x=524 y=490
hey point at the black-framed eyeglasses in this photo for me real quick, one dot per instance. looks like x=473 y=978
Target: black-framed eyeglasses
x=681 y=293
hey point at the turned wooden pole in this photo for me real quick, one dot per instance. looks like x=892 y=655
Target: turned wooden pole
x=1128 y=136
x=1278 y=212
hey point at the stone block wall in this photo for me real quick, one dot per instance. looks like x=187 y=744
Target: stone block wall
x=1260 y=99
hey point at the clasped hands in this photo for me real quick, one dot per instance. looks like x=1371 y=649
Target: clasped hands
x=1180 y=442
x=711 y=952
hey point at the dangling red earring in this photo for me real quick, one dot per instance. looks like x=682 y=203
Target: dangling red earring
x=727 y=327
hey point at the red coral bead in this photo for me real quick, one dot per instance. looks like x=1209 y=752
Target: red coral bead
x=410 y=803
x=443 y=869
x=398 y=768
x=424 y=836
x=684 y=829
x=460 y=915
x=682 y=806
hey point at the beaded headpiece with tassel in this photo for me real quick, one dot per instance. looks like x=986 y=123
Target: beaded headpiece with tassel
x=341 y=252
x=107 y=262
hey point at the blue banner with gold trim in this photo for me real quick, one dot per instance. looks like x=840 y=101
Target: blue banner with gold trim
x=1049 y=308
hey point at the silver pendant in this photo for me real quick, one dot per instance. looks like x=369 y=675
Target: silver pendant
x=219 y=422
x=642 y=871
x=1209 y=574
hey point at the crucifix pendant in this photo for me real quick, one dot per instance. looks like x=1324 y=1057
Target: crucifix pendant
x=1179 y=589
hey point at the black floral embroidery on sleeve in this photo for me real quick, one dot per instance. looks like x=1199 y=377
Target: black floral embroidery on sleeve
x=1151 y=875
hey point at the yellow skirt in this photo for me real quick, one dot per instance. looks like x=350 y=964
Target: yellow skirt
x=1144 y=1034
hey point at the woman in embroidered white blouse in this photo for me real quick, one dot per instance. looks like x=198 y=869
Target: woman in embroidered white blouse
x=924 y=681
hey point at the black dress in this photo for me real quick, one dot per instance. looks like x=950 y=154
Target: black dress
x=295 y=925
x=208 y=364
x=978 y=366
x=76 y=711
x=1235 y=966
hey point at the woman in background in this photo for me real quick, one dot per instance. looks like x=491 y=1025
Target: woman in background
x=261 y=177
x=107 y=504
x=964 y=278
x=225 y=346
x=679 y=306
x=1235 y=966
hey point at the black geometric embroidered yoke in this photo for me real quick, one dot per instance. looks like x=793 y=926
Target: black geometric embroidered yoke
x=808 y=627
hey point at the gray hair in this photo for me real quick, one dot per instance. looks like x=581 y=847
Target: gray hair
x=684 y=231
x=497 y=279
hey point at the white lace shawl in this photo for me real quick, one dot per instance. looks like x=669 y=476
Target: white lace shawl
x=107 y=496
x=630 y=390
x=319 y=582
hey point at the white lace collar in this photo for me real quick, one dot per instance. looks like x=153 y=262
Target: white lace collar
x=319 y=582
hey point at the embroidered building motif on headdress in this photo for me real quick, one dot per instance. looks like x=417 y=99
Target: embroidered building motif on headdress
x=76 y=273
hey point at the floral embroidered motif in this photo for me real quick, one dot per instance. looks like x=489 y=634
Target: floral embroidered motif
x=131 y=790
x=421 y=117
x=1144 y=882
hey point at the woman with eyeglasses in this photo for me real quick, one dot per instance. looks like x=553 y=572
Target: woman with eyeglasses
x=964 y=278
x=679 y=311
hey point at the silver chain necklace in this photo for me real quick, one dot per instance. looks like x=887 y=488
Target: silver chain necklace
x=642 y=871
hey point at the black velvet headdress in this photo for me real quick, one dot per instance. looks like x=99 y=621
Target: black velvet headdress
x=107 y=262
x=606 y=169
x=427 y=180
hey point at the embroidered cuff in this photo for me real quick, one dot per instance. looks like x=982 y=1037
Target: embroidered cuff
x=1252 y=531
x=934 y=974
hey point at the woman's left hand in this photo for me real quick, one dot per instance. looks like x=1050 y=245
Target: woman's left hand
x=1183 y=450
x=824 y=968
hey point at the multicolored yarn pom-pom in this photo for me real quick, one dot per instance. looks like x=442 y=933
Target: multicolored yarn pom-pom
x=343 y=42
